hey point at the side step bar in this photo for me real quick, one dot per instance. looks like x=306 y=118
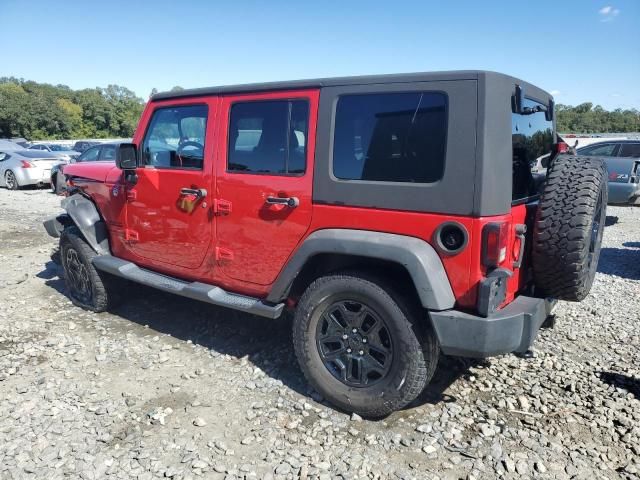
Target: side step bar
x=195 y=290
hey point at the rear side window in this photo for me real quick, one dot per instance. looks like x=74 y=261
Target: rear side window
x=630 y=150
x=268 y=137
x=390 y=137
x=605 y=150
x=175 y=137
x=108 y=152
x=89 y=155
x=532 y=139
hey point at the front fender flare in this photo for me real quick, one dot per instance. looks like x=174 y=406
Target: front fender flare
x=415 y=255
x=85 y=216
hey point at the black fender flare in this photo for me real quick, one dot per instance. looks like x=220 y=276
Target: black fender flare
x=418 y=257
x=86 y=217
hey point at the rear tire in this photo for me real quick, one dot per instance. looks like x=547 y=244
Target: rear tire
x=11 y=181
x=569 y=226
x=387 y=358
x=87 y=287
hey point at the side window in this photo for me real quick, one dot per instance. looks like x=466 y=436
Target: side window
x=630 y=150
x=108 y=152
x=390 y=137
x=606 y=150
x=268 y=137
x=89 y=155
x=175 y=137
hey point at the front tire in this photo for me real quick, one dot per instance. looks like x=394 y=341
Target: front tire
x=361 y=346
x=11 y=181
x=87 y=287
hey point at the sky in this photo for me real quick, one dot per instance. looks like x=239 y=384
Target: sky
x=579 y=50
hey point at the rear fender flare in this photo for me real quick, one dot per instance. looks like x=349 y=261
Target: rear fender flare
x=418 y=257
x=85 y=216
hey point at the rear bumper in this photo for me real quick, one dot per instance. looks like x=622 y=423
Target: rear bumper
x=512 y=329
x=33 y=176
x=624 y=193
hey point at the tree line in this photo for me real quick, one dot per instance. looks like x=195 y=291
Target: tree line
x=38 y=111
x=585 y=118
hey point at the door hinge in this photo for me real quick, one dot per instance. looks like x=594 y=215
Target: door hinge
x=131 y=235
x=221 y=207
x=223 y=254
x=131 y=195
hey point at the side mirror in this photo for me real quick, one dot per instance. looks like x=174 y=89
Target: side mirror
x=127 y=156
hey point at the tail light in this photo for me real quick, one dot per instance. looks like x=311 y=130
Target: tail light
x=494 y=243
x=561 y=147
x=26 y=164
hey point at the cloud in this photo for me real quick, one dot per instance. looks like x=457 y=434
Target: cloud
x=555 y=93
x=608 y=13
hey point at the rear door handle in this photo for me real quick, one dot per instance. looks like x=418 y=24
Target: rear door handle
x=197 y=192
x=291 y=202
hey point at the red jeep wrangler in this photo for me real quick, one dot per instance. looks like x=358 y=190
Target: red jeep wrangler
x=397 y=215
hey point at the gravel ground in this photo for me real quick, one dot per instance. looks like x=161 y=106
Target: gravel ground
x=166 y=387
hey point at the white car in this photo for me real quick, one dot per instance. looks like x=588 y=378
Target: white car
x=19 y=168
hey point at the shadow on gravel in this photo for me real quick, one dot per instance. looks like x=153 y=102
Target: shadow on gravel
x=622 y=262
x=610 y=221
x=265 y=343
x=618 y=380
x=450 y=369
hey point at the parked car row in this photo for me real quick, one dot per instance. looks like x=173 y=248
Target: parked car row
x=104 y=152
x=42 y=164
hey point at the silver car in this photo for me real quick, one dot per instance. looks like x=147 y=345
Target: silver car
x=622 y=158
x=19 y=168
x=55 y=150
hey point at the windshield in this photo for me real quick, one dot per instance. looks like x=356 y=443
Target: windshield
x=57 y=148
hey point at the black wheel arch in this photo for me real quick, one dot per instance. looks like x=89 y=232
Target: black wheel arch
x=85 y=215
x=403 y=257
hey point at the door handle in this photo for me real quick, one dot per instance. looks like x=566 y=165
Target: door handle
x=291 y=202
x=197 y=192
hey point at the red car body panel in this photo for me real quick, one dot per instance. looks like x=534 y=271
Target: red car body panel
x=245 y=249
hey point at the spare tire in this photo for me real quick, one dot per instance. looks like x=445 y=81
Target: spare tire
x=568 y=227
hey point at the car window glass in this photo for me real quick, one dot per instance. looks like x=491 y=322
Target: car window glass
x=606 y=150
x=531 y=139
x=268 y=137
x=393 y=137
x=89 y=155
x=176 y=137
x=630 y=150
x=108 y=152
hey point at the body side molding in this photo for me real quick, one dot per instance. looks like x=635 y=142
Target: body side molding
x=417 y=256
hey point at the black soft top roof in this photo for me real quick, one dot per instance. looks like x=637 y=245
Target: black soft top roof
x=338 y=81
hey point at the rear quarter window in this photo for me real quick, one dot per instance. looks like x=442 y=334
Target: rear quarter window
x=390 y=137
x=532 y=138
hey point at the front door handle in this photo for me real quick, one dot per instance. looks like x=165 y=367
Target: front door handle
x=291 y=202
x=197 y=192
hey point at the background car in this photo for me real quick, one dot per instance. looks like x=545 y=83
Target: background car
x=102 y=152
x=8 y=145
x=19 y=168
x=622 y=158
x=82 y=145
x=59 y=151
